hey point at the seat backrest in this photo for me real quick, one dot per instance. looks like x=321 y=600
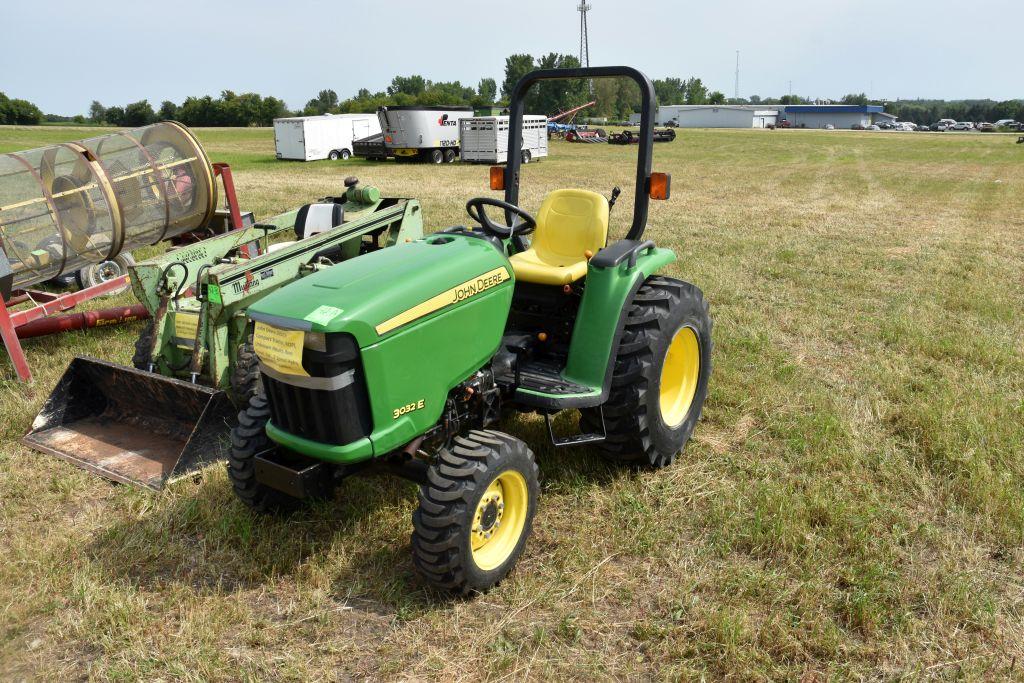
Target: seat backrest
x=571 y=222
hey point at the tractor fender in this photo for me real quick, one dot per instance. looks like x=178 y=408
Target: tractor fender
x=613 y=278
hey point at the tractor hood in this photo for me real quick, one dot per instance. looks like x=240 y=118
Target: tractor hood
x=378 y=294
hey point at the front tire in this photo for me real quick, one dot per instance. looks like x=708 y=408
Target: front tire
x=248 y=438
x=660 y=378
x=245 y=376
x=345 y=155
x=436 y=156
x=449 y=156
x=334 y=155
x=475 y=512
x=143 y=355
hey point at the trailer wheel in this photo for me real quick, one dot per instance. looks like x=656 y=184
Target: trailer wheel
x=334 y=155
x=449 y=156
x=660 y=378
x=527 y=157
x=436 y=156
x=248 y=438
x=245 y=376
x=476 y=511
x=345 y=154
x=98 y=273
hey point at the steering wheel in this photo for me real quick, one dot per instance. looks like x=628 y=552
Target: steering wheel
x=476 y=211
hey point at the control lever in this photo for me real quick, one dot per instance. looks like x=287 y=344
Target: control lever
x=616 y=191
x=266 y=228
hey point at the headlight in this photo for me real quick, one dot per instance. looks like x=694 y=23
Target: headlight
x=315 y=341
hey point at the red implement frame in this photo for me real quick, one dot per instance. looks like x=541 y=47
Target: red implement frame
x=36 y=321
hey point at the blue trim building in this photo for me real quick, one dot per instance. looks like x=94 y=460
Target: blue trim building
x=838 y=115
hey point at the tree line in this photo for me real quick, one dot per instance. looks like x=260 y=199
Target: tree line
x=615 y=99
x=18 y=112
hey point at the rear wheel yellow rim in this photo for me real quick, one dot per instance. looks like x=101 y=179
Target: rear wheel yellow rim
x=499 y=520
x=679 y=375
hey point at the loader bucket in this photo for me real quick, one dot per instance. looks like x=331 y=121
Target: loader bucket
x=132 y=426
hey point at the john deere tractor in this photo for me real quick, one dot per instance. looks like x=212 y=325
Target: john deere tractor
x=405 y=359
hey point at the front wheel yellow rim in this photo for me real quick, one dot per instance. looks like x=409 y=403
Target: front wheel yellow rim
x=679 y=375
x=499 y=520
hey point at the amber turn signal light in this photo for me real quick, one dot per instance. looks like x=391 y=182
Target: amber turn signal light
x=497 y=178
x=661 y=185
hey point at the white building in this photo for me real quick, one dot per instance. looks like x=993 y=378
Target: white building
x=718 y=116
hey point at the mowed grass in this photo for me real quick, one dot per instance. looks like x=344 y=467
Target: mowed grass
x=850 y=507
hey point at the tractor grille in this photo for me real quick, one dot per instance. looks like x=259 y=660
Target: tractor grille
x=337 y=417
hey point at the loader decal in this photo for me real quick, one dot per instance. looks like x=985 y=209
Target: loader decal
x=466 y=290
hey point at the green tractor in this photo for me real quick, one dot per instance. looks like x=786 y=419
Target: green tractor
x=404 y=360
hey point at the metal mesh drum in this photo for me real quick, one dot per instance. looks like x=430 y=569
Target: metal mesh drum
x=65 y=206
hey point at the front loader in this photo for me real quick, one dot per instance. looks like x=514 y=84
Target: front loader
x=405 y=360
x=193 y=362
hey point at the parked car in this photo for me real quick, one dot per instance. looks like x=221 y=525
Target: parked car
x=885 y=125
x=963 y=125
x=857 y=126
x=829 y=126
x=873 y=126
x=1009 y=124
x=985 y=127
x=785 y=123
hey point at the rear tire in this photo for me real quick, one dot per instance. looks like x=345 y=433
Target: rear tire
x=334 y=155
x=651 y=412
x=245 y=376
x=435 y=156
x=345 y=154
x=449 y=156
x=475 y=512
x=527 y=157
x=248 y=438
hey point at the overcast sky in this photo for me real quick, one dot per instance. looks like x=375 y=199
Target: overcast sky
x=63 y=54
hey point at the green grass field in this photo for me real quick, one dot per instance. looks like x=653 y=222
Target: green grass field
x=852 y=505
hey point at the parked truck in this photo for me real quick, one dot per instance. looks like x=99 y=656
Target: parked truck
x=424 y=133
x=484 y=139
x=309 y=138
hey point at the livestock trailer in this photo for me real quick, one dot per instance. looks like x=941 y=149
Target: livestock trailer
x=485 y=139
x=425 y=133
x=308 y=138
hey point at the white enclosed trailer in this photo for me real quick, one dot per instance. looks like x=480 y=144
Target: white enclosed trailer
x=484 y=139
x=426 y=133
x=308 y=138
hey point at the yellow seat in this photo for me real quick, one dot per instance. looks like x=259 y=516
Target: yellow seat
x=570 y=224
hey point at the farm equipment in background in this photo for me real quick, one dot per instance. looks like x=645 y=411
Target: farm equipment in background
x=562 y=123
x=194 y=363
x=423 y=349
x=584 y=134
x=627 y=137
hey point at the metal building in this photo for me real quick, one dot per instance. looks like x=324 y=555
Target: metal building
x=838 y=115
x=718 y=116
